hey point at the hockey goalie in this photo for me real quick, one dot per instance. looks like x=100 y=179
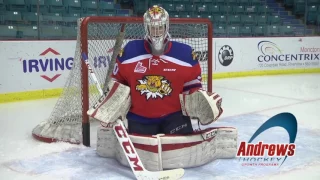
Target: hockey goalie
x=156 y=89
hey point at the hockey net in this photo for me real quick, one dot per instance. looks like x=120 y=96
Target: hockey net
x=96 y=38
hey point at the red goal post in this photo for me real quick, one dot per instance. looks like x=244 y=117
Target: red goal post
x=96 y=37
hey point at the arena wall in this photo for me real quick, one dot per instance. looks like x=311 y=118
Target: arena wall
x=39 y=69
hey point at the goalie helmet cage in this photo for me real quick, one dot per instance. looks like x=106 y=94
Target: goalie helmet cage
x=96 y=36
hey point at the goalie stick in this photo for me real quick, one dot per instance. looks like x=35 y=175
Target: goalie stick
x=120 y=131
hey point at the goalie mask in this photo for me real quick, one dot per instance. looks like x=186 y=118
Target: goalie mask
x=156 y=24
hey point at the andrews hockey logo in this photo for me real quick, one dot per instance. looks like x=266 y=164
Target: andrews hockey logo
x=270 y=154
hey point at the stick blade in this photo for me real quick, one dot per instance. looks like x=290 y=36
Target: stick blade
x=173 y=174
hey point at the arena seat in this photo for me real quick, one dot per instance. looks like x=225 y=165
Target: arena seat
x=204 y=8
x=288 y=3
x=8 y=32
x=286 y=31
x=123 y=12
x=272 y=30
x=259 y=30
x=141 y=5
x=2 y=6
x=204 y=14
x=28 y=32
x=32 y=17
x=313 y=2
x=106 y=6
x=69 y=32
x=169 y=7
x=55 y=6
x=88 y=14
x=52 y=18
x=257 y=2
x=245 y=30
x=33 y=5
x=16 y=5
x=261 y=19
x=185 y=15
x=238 y=10
x=207 y=2
x=234 y=20
x=215 y=10
x=179 y=7
x=220 y=31
x=196 y=16
x=248 y=20
x=244 y=2
x=231 y=2
x=219 y=2
x=51 y=32
x=65 y=14
x=274 y=20
x=220 y=19
x=182 y=1
x=166 y=1
x=73 y=6
x=89 y=6
x=225 y=9
x=312 y=12
x=175 y=15
x=209 y=17
x=233 y=31
x=70 y=19
x=190 y=8
x=264 y=9
x=299 y=7
x=253 y=10
x=12 y=17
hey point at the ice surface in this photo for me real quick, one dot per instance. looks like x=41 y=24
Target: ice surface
x=248 y=102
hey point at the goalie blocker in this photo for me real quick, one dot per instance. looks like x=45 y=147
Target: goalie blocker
x=161 y=151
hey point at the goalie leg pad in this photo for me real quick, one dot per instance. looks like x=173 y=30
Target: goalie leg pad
x=113 y=104
x=109 y=147
x=200 y=148
x=106 y=141
x=173 y=151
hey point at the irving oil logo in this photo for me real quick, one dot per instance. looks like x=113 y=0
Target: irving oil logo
x=269 y=154
x=48 y=60
x=52 y=61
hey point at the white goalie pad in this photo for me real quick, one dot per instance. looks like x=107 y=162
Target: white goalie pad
x=113 y=104
x=201 y=105
x=172 y=151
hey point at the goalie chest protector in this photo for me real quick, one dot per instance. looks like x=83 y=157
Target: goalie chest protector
x=157 y=81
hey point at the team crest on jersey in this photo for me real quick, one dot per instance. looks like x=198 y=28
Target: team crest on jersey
x=153 y=86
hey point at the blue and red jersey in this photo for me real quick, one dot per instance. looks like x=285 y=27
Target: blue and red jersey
x=157 y=81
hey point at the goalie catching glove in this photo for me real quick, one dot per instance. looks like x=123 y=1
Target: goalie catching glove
x=202 y=105
x=113 y=104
